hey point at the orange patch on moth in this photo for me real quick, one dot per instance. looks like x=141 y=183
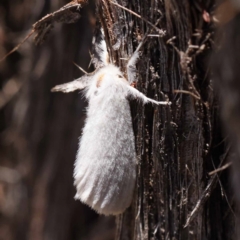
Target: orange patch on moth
x=133 y=84
x=100 y=78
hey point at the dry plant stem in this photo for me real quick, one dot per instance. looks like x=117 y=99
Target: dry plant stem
x=160 y=31
x=227 y=165
x=193 y=95
x=52 y=16
x=223 y=191
x=64 y=14
x=184 y=62
x=206 y=193
x=44 y=25
x=187 y=92
x=18 y=46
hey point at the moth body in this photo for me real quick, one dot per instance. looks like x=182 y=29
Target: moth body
x=105 y=168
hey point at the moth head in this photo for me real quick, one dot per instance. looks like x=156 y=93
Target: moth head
x=109 y=75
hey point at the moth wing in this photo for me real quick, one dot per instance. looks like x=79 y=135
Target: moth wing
x=77 y=84
x=105 y=168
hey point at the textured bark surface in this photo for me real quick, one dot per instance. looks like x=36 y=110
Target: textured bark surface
x=177 y=146
x=175 y=197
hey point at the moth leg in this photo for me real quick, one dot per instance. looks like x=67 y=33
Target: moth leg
x=134 y=93
x=131 y=67
x=77 y=84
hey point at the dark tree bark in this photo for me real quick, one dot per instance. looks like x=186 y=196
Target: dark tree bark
x=177 y=146
x=175 y=197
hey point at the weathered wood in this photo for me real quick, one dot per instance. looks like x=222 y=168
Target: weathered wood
x=176 y=146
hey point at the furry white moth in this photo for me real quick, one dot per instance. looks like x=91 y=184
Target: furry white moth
x=105 y=167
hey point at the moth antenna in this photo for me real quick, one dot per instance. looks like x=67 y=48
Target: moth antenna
x=81 y=69
x=134 y=93
x=77 y=84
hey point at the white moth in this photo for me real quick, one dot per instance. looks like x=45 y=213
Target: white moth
x=105 y=167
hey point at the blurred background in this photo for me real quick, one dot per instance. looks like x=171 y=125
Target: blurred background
x=39 y=130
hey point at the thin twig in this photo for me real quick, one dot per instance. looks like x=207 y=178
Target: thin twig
x=223 y=191
x=188 y=92
x=220 y=169
x=206 y=193
x=18 y=46
x=160 y=31
x=153 y=35
x=185 y=60
x=169 y=41
x=145 y=37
